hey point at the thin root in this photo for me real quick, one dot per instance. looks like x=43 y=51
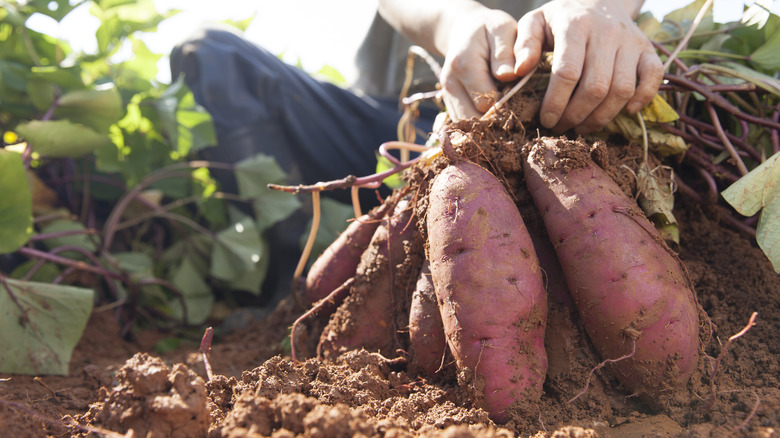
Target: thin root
x=333 y=299
x=713 y=389
x=601 y=365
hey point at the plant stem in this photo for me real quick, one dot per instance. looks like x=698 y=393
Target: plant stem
x=109 y=229
x=51 y=257
x=726 y=142
x=315 y=224
x=65 y=233
x=684 y=42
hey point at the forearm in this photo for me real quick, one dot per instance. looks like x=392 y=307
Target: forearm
x=426 y=23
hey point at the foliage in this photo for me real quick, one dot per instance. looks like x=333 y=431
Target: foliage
x=104 y=200
x=724 y=83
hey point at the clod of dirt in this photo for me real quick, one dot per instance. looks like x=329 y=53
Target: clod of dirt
x=153 y=401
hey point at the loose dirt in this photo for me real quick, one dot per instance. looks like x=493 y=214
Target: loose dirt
x=128 y=388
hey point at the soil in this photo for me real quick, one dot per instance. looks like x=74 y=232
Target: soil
x=257 y=390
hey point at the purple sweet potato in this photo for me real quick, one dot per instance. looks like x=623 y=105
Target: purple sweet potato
x=366 y=318
x=631 y=291
x=489 y=288
x=340 y=260
x=426 y=333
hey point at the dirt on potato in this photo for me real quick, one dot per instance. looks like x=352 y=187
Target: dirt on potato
x=126 y=388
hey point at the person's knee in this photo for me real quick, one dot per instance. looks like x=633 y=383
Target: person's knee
x=208 y=38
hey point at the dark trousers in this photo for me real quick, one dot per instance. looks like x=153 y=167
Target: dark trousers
x=316 y=131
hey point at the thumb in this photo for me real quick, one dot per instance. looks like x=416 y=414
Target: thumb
x=530 y=40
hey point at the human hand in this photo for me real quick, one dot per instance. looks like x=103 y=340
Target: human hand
x=479 y=51
x=601 y=62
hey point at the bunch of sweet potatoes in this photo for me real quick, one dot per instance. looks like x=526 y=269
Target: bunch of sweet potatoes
x=482 y=296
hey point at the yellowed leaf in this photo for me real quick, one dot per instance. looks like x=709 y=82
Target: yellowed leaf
x=659 y=111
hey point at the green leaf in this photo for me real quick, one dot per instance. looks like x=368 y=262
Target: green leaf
x=41 y=94
x=41 y=326
x=329 y=73
x=15 y=203
x=253 y=175
x=274 y=206
x=750 y=193
x=135 y=263
x=137 y=73
x=252 y=280
x=197 y=294
x=683 y=19
x=56 y=9
x=760 y=190
x=45 y=274
x=82 y=241
x=383 y=164
x=768 y=229
x=9 y=13
x=768 y=55
x=195 y=131
x=13 y=77
x=69 y=78
x=61 y=138
x=241 y=25
x=97 y=108
x=237 y=250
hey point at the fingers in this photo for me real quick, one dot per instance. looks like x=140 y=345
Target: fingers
x=531 y=35
x=599 y=68
x=480 y=51
x=567 y=68
x=502 y=57
x=468 y=85
x=607 y=84
x=651 y=73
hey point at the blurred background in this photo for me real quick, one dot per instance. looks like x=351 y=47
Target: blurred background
x=312 y=32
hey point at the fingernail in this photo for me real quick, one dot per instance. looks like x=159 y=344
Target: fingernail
x=633 y=108
x=504 y=69
x=548 y=120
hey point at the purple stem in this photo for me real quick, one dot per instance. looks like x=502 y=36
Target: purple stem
x=158 y=175
x=64 y=233
x=700 y=158
x=712 y=193
x=383 y=152
x=724 y=138
x=50 y=112
x=660 y=47
x=750 y=150
x=14 y=299
x=720 y=101
x=719 y=88
x=63 y=275
x=52 y=257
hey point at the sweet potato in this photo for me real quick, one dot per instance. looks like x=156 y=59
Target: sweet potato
x=426 y=333
x=366 y=318
x=489 y=288
x=340 y=260
x=631 y=291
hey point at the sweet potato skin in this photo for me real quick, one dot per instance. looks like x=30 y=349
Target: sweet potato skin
x=366 y=318
x=340 y=259
x=426 y=332
x=630 y=290
x=489 y=288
